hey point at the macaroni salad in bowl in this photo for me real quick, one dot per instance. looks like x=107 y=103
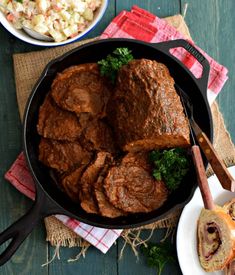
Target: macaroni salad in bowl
x=60 y=19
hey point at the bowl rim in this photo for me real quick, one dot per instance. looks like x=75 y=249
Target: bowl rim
x=26 y=38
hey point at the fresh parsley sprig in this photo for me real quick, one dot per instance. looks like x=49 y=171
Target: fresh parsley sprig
x=170 y=166
x=158 y=255
x=110 y=66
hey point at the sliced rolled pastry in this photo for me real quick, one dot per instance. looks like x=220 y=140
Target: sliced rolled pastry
x=230 y=268
x=229 y=208
x=216 y=239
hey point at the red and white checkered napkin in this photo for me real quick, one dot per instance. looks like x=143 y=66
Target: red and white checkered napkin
x=142 y=25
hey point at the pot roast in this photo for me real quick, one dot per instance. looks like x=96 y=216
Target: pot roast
x=88 y=179
x=52 y=120
x=97 y=138
x=62 y=156
x=131 y=187
x=146 y=110
x=81 y=89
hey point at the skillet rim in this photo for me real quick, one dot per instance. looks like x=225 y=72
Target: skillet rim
x=40 y=188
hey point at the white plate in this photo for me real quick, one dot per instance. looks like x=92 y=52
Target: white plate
x=186 y=232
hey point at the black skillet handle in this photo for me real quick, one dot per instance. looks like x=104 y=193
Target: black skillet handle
x=203 y=80
x=19 y=230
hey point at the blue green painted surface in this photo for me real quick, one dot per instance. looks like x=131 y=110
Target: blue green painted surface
x=212 y=25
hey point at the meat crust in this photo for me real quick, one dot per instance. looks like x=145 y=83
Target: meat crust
x=98 y=136
x=88 y=180
x=81 y=89
x=106 y=209
x=131 y=188
x=146 y=110
x=62 y=156
x=56 y=123
x=71 y=183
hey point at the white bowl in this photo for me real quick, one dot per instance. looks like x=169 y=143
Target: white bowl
x=26 y=38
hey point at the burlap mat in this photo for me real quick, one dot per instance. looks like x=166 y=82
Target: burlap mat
x=28 y=67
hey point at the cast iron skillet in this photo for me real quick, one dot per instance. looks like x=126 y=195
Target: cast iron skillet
x=49 y=199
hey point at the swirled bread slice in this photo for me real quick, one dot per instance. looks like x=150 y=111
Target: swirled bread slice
x=216 y=239
x=230 y=268
x=229 y=208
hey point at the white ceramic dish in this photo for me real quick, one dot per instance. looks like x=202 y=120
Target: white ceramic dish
x=26 y=38
x=186 y=232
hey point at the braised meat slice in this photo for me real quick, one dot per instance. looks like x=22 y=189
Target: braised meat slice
x=88 y=179
x=82 y=89
x=131 y=187
x=57 y=123
x=146 y=110
x=106 y=209
x=71 y=183
x=98 y=136
x=62 y=156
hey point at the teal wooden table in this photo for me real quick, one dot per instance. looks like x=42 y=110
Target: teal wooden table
x=211 y=23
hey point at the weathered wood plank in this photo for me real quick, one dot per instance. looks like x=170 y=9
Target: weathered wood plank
x=130 y=264
x=95 y=262
x=211 y=24
x=33 y=251
x=209 y=29
x=159 y=7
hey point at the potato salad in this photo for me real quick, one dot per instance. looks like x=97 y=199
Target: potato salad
x=61 y=19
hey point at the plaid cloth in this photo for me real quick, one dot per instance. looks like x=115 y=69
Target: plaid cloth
x=137 y=24
x=143 y=25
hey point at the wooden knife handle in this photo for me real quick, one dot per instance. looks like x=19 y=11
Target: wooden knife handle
x=202 y=178
x=216 y=163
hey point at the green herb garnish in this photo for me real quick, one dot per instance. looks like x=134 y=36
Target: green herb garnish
x=158 y=255
x=113 y=62
x=170 y=166
x=19 y=1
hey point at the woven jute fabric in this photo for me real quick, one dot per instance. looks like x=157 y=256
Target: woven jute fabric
x=29 y=66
